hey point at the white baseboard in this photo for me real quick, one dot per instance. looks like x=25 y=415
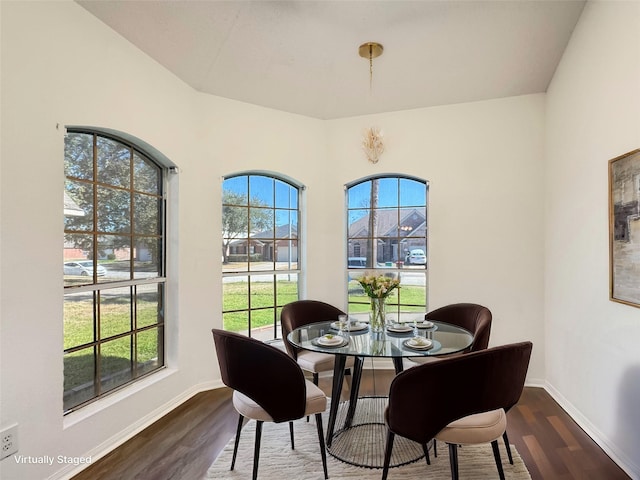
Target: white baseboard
x=116 y=440
x=610 y=448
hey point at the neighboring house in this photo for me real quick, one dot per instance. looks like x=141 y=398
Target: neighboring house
x=392 y=243
x=71 y=208
x=280 y=245
x=73 y=252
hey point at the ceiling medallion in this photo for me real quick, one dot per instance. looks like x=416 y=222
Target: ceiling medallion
x=370 y=50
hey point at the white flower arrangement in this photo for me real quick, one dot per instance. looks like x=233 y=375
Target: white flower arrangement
x=378 y=286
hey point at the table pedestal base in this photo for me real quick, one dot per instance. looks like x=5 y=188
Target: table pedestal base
x=363 y=443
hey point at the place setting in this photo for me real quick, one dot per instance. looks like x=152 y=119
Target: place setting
x=399 y=328
x=345 y=324
x=418 y=343
x=330 y=340
x=426 y=325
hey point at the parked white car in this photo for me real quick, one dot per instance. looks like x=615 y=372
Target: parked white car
x=416 y=257
x=357 y=262
x=83 y=268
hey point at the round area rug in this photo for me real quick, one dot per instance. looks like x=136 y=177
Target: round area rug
x=278 y=461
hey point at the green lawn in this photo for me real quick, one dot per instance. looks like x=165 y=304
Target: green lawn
x=235 y=296
x=116 y=354
x=413 y=295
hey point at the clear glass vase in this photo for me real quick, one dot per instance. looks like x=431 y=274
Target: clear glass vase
x=377 y=314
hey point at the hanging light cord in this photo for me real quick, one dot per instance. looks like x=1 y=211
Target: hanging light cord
x=370 y=50
x=370 y=68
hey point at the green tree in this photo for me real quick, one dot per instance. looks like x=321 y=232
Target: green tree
x=239 y=220
x=98 y=181
x=372 y=243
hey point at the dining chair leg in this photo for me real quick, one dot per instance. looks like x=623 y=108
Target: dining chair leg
x=507 y=446
x=235 y=446
x=453 y=460
x=496 y=455
x=293 y=447
x=256 y=450
x=435 y=448
x=387 y=454
x=323 y=452
x=425 y=449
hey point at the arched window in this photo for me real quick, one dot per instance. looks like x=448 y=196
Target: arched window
x=260 y=245
x=387 y=235
x=114 y=271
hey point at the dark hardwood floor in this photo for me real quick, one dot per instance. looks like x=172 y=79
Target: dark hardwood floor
x=183 y=444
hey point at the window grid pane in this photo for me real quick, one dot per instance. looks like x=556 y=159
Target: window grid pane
x=259 y=237
x=387 y=233
x=114 y=232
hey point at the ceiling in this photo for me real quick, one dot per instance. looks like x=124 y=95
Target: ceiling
x=302 y=56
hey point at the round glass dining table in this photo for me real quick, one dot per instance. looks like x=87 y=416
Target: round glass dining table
x=396 y=342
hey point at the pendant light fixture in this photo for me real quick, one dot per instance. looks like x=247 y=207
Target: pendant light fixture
x=370 y=50
x=372 y=143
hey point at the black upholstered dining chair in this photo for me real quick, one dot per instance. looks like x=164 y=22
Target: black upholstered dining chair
x=461 y=398
x=470 y=316
x=303 y=312
x=477 y=319
x=268 y=386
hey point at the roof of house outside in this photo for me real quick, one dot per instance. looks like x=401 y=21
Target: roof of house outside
x=387 y=219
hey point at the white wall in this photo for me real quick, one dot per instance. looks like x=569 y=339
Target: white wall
x=61 y=66
x=593 y=115
x=484 y=162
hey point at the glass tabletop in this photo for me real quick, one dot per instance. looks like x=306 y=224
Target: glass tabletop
x=441 y=339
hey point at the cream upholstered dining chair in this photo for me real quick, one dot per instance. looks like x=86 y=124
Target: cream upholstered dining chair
x=303 y=312
x=268 y=386
x=472 y=391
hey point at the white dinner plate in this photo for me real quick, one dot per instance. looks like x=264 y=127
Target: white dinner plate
x=426 y=324
x=399 y=328
x=422 y=344
x=330 y=341
x=355 y=327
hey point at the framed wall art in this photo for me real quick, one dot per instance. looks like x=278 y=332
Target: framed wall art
x=624 y=228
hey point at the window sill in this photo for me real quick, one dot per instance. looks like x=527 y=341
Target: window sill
x=114 y=398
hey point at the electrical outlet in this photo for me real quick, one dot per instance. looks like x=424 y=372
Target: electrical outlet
x=9 y=437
